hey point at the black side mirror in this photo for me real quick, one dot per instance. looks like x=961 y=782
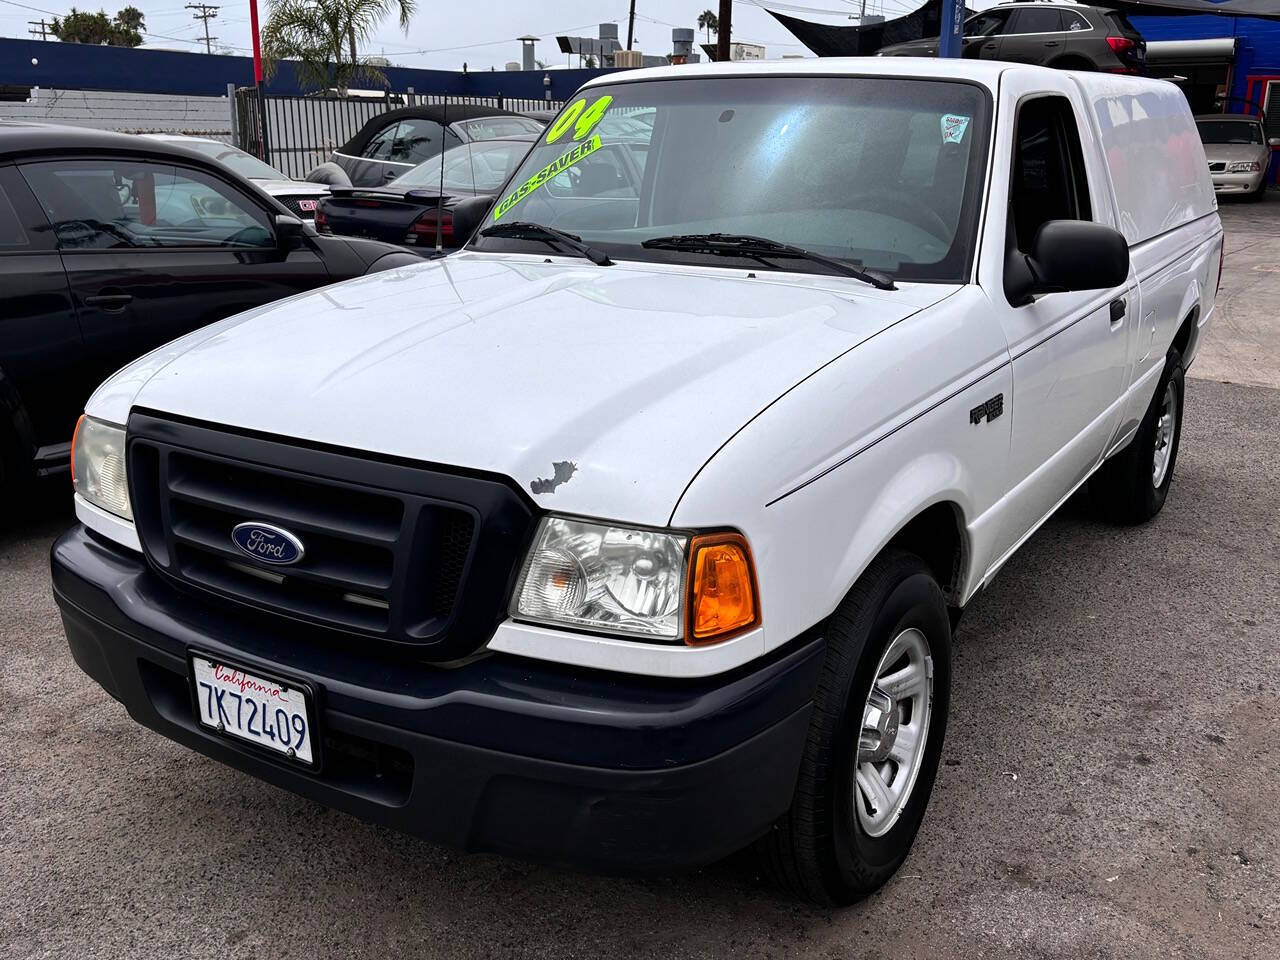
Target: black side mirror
x=288 y=229
x=1067 y=255
x=468 y=215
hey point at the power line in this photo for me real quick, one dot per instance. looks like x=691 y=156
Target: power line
x=205 y=12
x=154 y=36
x=40 y=27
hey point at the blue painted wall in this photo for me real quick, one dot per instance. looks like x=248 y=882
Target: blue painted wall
x=1258 y=50
x=75 y=66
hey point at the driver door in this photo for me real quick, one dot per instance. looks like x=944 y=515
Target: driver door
x=982 y=35
x=153 y=250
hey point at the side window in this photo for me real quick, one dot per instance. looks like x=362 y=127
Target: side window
x=1073 y=22
x=12 y=234
x=113 y=204
x=1033 y=20
x=416 y=141
x=379 y=148
x=1049 y=180
x=985 y=24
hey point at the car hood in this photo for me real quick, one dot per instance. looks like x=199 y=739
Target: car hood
x=1218 y=152
x=599 y=390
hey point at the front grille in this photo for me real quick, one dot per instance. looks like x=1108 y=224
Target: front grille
x=295 y=206
x=409 y=554
x=1218 y=167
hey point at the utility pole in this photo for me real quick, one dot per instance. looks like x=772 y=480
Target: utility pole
x=38 y=27
x=205 y=12
x=722 y=36
x=631 y=24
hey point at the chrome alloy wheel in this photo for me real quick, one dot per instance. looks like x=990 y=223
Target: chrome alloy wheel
x=1164 y=435
x=895 y=726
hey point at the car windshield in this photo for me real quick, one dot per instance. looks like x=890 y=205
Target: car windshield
x=245 y=164
x=881 y=173
x=1229 y=131
x=473 y=167
x=493 y=128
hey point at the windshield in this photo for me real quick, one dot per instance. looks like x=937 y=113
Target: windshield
x=1229 y=131
x=245 y=164
x=491 y=128
x=883 y=173
x=472 y=168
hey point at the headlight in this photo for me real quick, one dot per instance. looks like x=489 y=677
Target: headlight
x=1244 y=166
x=633 y=582
x=97 y=466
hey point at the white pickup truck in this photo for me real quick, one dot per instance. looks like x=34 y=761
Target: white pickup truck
x=635 y=532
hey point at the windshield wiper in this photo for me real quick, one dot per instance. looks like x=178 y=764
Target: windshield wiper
x=527 y=230
x=744 y=245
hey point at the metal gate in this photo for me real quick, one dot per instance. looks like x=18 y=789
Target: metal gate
x=297 y=134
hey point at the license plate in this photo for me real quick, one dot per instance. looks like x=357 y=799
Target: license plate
x=270 y=713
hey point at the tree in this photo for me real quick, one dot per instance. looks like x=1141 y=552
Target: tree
x=590 y=62
x=123 y=30
x=321 y=36
x=708 y=21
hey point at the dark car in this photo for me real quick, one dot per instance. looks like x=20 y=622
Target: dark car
x=111 y=245
x=1068 y=36
x=405 y=210
x=395 y=142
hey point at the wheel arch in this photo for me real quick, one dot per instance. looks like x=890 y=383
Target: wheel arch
x=1187 y=336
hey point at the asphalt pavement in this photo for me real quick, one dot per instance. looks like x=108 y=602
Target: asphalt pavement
x=1110 y=788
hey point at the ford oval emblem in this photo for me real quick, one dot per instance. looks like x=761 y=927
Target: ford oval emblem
x=267 y=542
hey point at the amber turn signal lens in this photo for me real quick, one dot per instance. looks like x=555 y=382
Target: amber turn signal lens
x=722 y=590
x=75 y=437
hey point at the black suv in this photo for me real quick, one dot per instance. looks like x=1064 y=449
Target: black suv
x=111 y=245
x=1069 y=36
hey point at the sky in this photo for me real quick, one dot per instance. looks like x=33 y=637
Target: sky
x=441 y=37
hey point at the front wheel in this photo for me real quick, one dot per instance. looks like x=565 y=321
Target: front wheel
x=875 y=737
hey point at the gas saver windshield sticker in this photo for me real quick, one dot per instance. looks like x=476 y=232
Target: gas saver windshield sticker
x=579 y=116
x=549 y=172
x=953 y=127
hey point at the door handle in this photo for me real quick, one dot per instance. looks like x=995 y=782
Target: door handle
x=1118 y=307
x=1052 y=43
x=109 y=301
x=990 y=46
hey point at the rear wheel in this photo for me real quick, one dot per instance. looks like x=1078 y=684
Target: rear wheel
x=1132 y=486
x=875 y=737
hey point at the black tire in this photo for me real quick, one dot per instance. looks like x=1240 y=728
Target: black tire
x=1124 y=488
x=819 y=849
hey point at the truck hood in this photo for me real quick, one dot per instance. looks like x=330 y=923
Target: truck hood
x=599 y=390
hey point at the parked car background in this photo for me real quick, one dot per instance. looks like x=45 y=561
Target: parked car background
x=395 y=142
x=1239 y=152
x=111 y=245
x=300 y=196
x=406 y=209
x=1068 y=36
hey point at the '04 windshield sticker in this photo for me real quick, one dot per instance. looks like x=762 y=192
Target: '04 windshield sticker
x=579 y=116
x=547 y=173
x=953 y=127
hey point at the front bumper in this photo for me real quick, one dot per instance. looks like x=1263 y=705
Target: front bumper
x=1237 y=182
x=603 y=771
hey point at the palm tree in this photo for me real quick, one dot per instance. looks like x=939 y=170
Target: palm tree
x=708 y=21
x=321 y=36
